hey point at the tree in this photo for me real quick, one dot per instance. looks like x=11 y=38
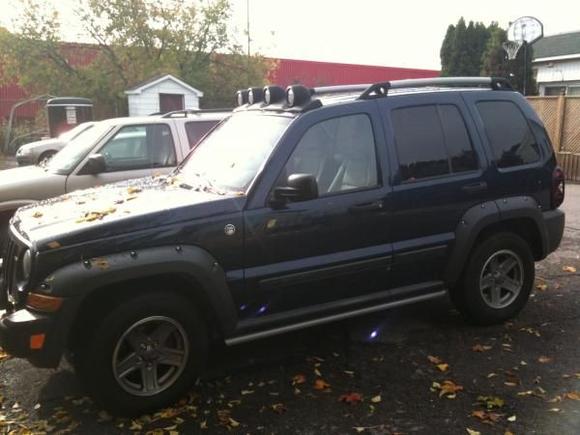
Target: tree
x=131 y=40
x=474 y=49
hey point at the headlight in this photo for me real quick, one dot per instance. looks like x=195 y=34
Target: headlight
x=26 y=264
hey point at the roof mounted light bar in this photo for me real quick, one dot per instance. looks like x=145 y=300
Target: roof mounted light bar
x=186 y=112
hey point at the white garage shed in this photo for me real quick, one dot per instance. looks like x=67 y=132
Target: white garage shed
x=162 y=94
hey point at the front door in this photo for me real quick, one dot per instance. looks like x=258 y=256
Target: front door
x=134 y=151
x=330 y=248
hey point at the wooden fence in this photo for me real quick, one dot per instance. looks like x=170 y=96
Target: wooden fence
x=561 y=115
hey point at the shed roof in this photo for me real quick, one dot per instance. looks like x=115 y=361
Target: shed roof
x=563 y=44
x=141 y=86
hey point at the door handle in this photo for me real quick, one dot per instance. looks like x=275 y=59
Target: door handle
x=368 y=206
x=475 y=187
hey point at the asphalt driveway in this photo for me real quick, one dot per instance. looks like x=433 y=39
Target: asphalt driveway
x=418 y=369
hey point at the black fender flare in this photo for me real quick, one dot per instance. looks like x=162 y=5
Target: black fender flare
x=481 y=216
x=78 y=280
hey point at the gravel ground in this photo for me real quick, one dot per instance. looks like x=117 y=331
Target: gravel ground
x=426 y=372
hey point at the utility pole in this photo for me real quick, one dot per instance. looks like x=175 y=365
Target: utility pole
x=248 y=24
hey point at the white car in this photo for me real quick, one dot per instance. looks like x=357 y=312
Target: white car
x=109 y=151
x=41 y=150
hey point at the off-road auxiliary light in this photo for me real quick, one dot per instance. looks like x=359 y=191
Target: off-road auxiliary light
x=242 y=97
x=255 y=95
x=298 y=95
x=274 y=94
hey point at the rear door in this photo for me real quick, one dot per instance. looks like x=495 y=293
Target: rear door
x=337 y=246
x=439 y=173
x=134 y=151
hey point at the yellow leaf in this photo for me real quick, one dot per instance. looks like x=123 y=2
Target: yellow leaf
x=298 y=379
x=491 y=401
x=544 y=359
x=321 y=384
x=376 y=399
x=542 y=287
x=233 y=423
x=570 y=269
x=512 y=418
x=472 y=432
x=443 y=367
x=573 y=395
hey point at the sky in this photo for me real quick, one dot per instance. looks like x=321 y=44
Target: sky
x=405 y=33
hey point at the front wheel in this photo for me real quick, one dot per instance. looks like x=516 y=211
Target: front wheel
x=497 y=281
x=144 y=354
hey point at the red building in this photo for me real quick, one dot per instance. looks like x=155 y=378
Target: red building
x=288 y=71
x=312 y=73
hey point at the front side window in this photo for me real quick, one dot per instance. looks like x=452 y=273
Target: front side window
x=339 y=152
x=431 y=141
x=139 y=147
x=510 y=137
x=232 y=155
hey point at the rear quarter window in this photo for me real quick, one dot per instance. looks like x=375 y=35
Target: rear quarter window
x=509 y=135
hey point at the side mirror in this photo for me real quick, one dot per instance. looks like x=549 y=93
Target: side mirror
x=95 y=165
x=299 y=187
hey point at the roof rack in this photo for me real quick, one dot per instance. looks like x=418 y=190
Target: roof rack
x=186 y=112
x=381 y=89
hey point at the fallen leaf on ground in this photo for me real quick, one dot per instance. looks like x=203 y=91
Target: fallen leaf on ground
x=472 y=432
x=481 y=348
x=491 y=402
x=544 y=359
x=350 y=398
x=376 y=399
x=570 y=269
x=542 y=287
x=443 y=367
x=321 y=384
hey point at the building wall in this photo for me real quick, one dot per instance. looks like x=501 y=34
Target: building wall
x=558 y=73
x=147 y=102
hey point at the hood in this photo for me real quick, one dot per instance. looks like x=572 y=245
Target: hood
x=55 y=142
x=116 y=209
x=30 y=183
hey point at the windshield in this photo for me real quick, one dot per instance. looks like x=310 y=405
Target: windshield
x=73 y=132
x=66 y=159
x=231 y=155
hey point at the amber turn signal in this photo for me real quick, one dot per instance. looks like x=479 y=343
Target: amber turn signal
x=39 y=302
x=37 y=341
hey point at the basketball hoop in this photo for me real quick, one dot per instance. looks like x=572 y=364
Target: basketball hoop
x=512 y=48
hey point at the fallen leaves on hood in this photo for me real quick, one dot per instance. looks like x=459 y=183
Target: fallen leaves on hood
x=91 y=216
x=491 y=402
x=486 y=417
x=37 y=214
x=350 y=398
x=133 y=189
x=321 y=384
x=53 y=245
x=447 y=389
x=100 y=262
x=572 y=395
x=481 y=348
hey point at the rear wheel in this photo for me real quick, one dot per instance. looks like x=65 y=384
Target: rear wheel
x=144 y=354
x=497 y=281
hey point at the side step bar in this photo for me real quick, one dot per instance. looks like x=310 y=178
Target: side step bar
x=331 y=318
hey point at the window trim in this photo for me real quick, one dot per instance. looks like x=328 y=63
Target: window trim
x=397 y=179
x=380 y=183
x=121 y=127
x=494 y=160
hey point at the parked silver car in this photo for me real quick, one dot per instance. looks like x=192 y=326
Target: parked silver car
x=111 y=150
x=40 y=151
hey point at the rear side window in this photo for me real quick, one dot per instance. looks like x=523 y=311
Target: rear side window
x=431 y=140
x=196 y=130
x=509 y=134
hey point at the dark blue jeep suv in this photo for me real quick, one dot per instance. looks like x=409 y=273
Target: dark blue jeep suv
x=303 y=207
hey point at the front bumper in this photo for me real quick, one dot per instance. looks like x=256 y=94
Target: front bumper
x=554 y=221
x=16 y=330
x=24 y=160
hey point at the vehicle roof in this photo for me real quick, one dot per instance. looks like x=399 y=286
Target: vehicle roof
x=154 y=119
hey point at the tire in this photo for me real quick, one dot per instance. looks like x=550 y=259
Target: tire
x=129 y=333
x=45 y=156
x=4 y=221
x=497 y=280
